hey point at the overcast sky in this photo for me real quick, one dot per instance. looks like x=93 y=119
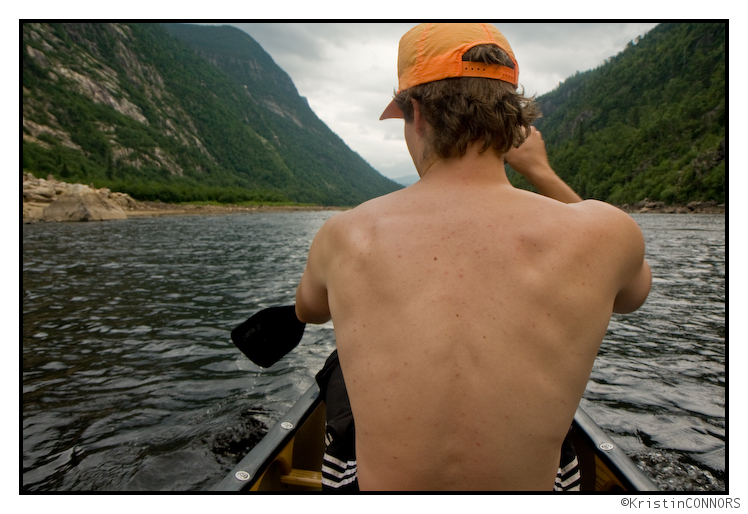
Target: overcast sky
x=348 y=72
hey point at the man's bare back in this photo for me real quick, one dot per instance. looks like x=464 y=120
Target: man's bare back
x=468 y=315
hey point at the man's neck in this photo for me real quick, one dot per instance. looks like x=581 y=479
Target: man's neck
x=473 y=167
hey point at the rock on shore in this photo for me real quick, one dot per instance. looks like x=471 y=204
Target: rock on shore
x=51 y=200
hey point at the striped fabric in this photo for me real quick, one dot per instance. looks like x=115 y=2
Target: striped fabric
x=337 y=473
x=569 y=477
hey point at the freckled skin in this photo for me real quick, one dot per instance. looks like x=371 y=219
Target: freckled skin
x=469 y=380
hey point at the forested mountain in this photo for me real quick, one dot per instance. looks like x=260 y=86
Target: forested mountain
x=205 y=115
x=649 y=123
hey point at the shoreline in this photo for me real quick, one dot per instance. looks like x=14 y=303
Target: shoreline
x=648 y=206
x=154 y=209
x=157 y=209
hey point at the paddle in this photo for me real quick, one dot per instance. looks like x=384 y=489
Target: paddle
x=269 y=335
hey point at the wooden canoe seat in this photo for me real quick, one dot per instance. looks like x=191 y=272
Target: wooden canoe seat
x=303 y=478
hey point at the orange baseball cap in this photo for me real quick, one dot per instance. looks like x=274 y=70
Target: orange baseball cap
x=433 y=51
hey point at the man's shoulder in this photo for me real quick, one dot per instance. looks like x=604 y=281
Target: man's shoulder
x=603 y=221
x=350 y=218
x=600 y=213
x=349 y=224
x=355 y=230
x=367 y=212
x=585 y=217
x=597 y=207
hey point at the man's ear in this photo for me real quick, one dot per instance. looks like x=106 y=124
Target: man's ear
x=419 y=122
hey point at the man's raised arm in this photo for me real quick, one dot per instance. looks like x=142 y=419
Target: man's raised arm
x=531 y=161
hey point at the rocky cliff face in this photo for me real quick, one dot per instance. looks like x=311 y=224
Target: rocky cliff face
x=51 y=200
x=203 y=116
x=81 y=69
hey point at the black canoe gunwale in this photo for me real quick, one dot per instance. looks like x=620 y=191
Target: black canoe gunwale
x=613 y=471
x=259 y=458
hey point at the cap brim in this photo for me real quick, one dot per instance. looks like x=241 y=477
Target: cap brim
x=392 y=111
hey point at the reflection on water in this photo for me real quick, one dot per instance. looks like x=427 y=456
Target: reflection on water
x=130 y=381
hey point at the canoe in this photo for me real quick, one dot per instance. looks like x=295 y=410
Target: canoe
x=289 y=457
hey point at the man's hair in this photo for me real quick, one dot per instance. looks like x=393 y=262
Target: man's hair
x=466 y=110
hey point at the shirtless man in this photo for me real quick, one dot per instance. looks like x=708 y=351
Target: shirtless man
x=468 y=313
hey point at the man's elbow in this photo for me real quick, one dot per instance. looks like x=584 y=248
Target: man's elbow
x=626 y=306
x=634 y=296
x=306 y=314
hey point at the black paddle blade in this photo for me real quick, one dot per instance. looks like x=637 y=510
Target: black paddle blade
x=269 y=335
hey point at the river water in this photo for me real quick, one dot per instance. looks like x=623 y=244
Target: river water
x=131 y=383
